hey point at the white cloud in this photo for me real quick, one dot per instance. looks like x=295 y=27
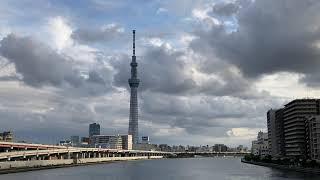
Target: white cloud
x=243 y=133
x=161 y=10
x=202 y=16
x=286 y=85
x=60 y=32
x=112 y=27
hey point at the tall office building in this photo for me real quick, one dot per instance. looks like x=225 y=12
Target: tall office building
x=94 y=129
x=272 y=138
x=134 y=83
x=294 y=115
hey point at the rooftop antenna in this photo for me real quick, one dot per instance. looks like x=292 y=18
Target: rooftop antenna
x=134 y=44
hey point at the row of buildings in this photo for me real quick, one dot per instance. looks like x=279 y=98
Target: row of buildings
x=95 y=139
x=294 y=130
x=207 y=148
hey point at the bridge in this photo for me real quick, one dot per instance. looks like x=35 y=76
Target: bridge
x=24 y=152
x=208 y=154
x=17 y=157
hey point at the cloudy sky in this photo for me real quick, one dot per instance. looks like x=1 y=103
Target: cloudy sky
x=209 y=69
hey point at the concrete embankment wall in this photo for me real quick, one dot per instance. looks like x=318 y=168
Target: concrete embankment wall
x=285 y=167
x=11 y=166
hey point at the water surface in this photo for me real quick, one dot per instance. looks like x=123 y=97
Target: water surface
x=228 y=168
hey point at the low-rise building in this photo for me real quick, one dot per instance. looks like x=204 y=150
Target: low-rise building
x=65 y=143
x=115 y=142
x=112 y=141
x=146 y=147
x=220 y=148
x=126 y=141
x=260 y=147
x=75 y=140
x=6 y=136
x=145 y=140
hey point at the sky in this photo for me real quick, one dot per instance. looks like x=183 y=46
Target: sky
x=209 y=69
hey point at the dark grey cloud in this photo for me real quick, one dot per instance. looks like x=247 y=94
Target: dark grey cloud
x=160 y=70
x=93 y=35
x=200 y=112
x=169 y=71
x=272 y=36
x=37 y=63
x=225 y=8
x=40 y=65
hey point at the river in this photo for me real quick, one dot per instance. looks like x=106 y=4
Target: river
x=227 y=168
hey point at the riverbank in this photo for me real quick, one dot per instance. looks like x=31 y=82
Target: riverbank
x=23 y=166
x=284 y=167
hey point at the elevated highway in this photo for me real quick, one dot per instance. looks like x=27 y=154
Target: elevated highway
x=22 y=151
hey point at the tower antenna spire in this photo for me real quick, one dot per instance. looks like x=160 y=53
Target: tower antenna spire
x=134 y=42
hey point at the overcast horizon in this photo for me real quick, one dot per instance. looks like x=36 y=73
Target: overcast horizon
x=209 y=70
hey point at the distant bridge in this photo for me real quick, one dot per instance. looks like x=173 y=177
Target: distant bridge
x=209 y=154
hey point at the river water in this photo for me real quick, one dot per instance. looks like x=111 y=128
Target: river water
x=227 y=168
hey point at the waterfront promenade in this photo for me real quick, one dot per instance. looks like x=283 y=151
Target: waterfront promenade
x=284 y=167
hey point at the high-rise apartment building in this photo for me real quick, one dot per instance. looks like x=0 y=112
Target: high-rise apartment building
x=294 y=115
x=272 y=140
x=313 y=137
x=280 y=147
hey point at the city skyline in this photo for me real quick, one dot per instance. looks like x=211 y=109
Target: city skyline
x=209 y=69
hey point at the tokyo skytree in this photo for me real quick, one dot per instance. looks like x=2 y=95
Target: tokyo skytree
x=134 y=83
